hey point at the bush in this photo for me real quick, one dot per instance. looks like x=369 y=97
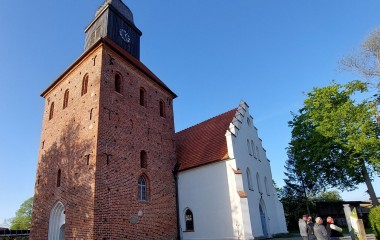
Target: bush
x=374 y=218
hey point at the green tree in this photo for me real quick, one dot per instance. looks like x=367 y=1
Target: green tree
x=23 y=218
x=329 y=196
x=335 y=140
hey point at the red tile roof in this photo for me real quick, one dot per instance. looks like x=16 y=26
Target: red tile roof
x=205 y=142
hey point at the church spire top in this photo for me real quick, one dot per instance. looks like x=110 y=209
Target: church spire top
x=114 y=20
x=119 y=6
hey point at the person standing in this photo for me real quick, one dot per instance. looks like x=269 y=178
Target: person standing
x=310 y=228
x=303 y=227
x=319 y=230
x=333 y=231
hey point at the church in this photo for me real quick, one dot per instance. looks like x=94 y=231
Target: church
x=110 y=165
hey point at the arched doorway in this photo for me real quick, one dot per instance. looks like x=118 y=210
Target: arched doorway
x=57 y=222
x=263 y=219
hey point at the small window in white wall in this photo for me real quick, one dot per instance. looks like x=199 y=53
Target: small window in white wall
x=249 y=179
x=249 y=121
x=266 y=186
x=258 y=182
x=253 y=148
x=258 y=153
x=189 y=220
x=249 y=147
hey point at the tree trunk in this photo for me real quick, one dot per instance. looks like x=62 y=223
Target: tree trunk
x=368 y=182
x=306 y=199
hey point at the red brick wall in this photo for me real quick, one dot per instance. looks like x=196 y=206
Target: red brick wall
x=100 y=199
x=125 y=129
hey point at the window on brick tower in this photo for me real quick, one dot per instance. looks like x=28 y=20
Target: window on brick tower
x=142 y=97
x=84 y=84
x=143 y=189
x=51 y=111
x=162 y=108
x=118 y=83
x=189 y=220
x=59 y=178
x=66 y=99
x=143 y=159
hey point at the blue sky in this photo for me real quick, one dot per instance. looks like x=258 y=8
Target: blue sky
x=211 y=53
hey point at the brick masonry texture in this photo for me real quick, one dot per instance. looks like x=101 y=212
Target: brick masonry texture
x=101 y=196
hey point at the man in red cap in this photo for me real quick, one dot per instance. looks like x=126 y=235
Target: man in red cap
x=333 y=231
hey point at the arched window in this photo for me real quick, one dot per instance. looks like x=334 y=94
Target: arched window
x=143 y=159
x=249 y=179
x=266 y=186
x=189 y=220
x=84 y=85
x=258 y=182
x=66 y=99
x=118 y=83
x=162 y=108
x=59 y=178
x=143 y=189
x=51 y=112
x=249 y=147
x=142 y=97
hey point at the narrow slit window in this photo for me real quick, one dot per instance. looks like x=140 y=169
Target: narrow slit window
x=162 y=108
x=88 y=159
x=266 y=186
x=84 y=85
x=142 y=97
x=249 y=147
x=258 y=153
x=253 y=148
x=118 y=83
x=51 y=112
x=258 y=183
x=249 y=179
x=59 y=178
x=143 y=159
x=66 y=99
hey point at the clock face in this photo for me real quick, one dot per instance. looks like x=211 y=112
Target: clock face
x=124 y=35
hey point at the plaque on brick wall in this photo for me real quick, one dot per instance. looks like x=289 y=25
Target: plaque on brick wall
x=134 y=219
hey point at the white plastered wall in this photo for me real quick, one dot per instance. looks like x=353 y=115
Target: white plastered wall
x=241 y=130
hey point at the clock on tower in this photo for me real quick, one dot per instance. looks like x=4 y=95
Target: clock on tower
x=114 y=20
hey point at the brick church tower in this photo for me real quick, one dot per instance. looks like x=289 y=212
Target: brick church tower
x=107 y=143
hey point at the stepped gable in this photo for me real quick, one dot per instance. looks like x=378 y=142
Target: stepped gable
x=205 y=142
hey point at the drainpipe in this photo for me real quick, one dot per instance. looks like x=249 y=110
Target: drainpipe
x=175 y=175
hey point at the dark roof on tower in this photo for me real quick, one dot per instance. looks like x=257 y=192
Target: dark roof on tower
x=205 y=142
x=119 y=5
